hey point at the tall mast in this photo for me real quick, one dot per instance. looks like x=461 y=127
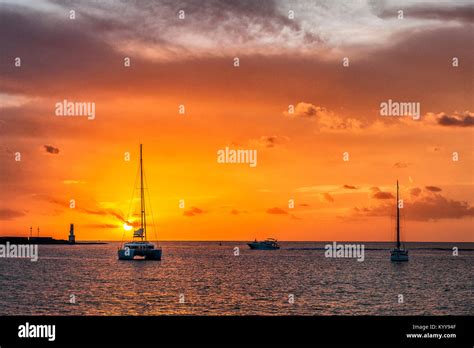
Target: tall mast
x=142 y=195
x=398 y=220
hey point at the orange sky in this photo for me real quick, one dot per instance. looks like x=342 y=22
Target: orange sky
x=300 y=155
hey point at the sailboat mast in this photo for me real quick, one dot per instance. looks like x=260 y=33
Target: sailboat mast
x=142 y=195
x=398 y=220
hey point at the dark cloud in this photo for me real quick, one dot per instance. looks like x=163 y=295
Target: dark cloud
x=378 y=194
x=432 y=11
x=51 y=47
x=71 y=57
x=415 y=191
x=423 y=207
x=9 y=214
x=428 y=10
x=459 y=13
x=382 y=195
x=436 y=206
x=193 y=211
x=304 y=205
x=276 y=211
x=463 y=120
x=350 y=187
x=51 y=149
x=433 y=188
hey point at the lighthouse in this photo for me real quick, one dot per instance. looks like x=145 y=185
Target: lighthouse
x=72 y=238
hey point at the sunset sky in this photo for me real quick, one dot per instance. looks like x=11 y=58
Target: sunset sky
x=283 y=61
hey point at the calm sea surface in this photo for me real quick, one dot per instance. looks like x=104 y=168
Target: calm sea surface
x=215 y=282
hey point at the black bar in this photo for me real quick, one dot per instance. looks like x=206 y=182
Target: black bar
x=193 y=330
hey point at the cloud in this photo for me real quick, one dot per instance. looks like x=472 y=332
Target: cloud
x=51 y=149
x=378 y=194
x=237 y=212
x=436 y=206
x=401 y=165
x=324 y=119
x=91 y=211
x=270 y=141
x=435 y=11
x=276 y=211
x=433 y=188
x=427 y=206
x=327 y=197
x=13 y=101
x=153 y=30
x=9 y=214
x=69 y=46
x=144 y=31
x=193 y=211
x=332 y=189
x=304 y=110
x=456 y=119
x=465 y=119
x=416 y=191
x=32 y=120
x=110 y=212
x=382 y=195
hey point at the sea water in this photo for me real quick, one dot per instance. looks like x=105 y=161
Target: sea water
x=205 y=278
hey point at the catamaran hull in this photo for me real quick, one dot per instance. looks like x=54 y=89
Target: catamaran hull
x=134 y=254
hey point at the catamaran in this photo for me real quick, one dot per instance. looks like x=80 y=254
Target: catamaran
x=399 y=253
x=140 y=247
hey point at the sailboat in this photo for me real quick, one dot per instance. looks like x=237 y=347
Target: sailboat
x=399 y=253
x=140 y=247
